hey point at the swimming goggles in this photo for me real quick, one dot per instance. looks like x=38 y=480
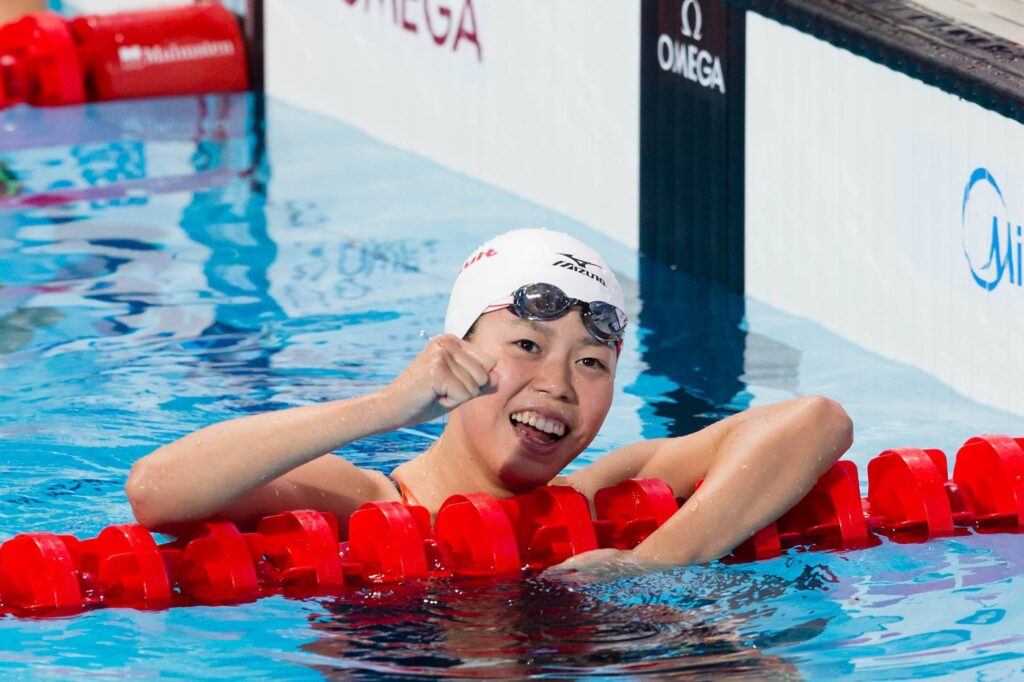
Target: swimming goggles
x=546 y=302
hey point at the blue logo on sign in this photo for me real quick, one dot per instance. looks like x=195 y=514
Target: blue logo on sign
x=992 y=243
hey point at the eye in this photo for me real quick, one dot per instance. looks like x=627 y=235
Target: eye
x=528 y=345
x=592 y=363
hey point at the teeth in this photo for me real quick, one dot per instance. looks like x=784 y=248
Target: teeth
x=540 y=422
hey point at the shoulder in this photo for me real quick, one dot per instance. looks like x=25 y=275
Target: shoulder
x=332 y=483
x=385 y=487
x=328 y=483
x=335 y=473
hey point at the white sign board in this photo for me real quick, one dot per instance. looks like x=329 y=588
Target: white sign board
x=538 y=97
x=887 y=210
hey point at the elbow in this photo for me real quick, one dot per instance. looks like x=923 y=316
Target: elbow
x=832 y=424
x=143 y=495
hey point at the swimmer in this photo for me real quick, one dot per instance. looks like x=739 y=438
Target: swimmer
x=525 y=373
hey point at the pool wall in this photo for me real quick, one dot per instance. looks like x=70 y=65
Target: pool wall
x=839 y=170
x=893 y=212
x=534 y=97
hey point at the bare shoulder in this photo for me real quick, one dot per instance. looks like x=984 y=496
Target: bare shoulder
x=328 y=483
x=386 y=488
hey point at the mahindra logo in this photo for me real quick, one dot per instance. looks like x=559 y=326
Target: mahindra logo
x=692 y=30
x=134 y=57
x=129 y=53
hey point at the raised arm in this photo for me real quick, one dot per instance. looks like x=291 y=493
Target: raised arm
x=226 y=464
x=254 y=465
x=756 y=465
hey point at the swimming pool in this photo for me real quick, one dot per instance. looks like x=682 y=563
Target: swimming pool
x=166 y=266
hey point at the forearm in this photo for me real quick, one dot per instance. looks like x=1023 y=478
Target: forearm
x=203 y=472
x=762 y=467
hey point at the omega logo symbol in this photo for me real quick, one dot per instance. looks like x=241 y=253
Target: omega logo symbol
x=685 y=57
x=692 y=30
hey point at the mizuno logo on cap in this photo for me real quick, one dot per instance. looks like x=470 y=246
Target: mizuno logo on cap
x=579 y=265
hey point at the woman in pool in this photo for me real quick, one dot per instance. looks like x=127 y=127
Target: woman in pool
x=525 y=373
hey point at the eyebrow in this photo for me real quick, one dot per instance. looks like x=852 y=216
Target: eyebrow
x=541 y=328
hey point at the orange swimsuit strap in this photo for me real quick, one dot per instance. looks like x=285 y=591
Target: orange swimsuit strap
x=403 y=490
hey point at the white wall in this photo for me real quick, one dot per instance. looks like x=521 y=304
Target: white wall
x=544 y=102
x=856 y=179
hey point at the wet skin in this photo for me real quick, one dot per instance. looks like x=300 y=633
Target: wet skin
x=523 y=399
x=555 y=370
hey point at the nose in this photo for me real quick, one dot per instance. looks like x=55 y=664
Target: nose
x=555 y=379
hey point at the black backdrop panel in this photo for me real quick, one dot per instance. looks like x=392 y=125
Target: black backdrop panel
x=691 y=137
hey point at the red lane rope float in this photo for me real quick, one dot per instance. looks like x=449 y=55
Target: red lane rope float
x=551 y=525
x=907 y=488
x=299 y=553
x=478 y=536
x=988 y=472
x=630 y=511
x=46 y=60
x=126 y=567
x=214 y=565
x=386 y=542
x=37 y=571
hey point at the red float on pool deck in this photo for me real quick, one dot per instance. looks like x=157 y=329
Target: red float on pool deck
x=46 y=60
x=298 y=553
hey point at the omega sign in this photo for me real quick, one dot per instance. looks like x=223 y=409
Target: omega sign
x=449 y=24
x=692 y=41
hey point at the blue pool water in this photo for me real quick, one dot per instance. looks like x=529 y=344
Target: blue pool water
x=165 y=266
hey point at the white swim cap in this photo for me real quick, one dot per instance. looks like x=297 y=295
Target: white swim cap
x=500 y=266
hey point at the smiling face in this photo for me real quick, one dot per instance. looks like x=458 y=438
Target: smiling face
x=554 y=389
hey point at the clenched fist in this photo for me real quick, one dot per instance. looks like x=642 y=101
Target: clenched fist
x=447 y=373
